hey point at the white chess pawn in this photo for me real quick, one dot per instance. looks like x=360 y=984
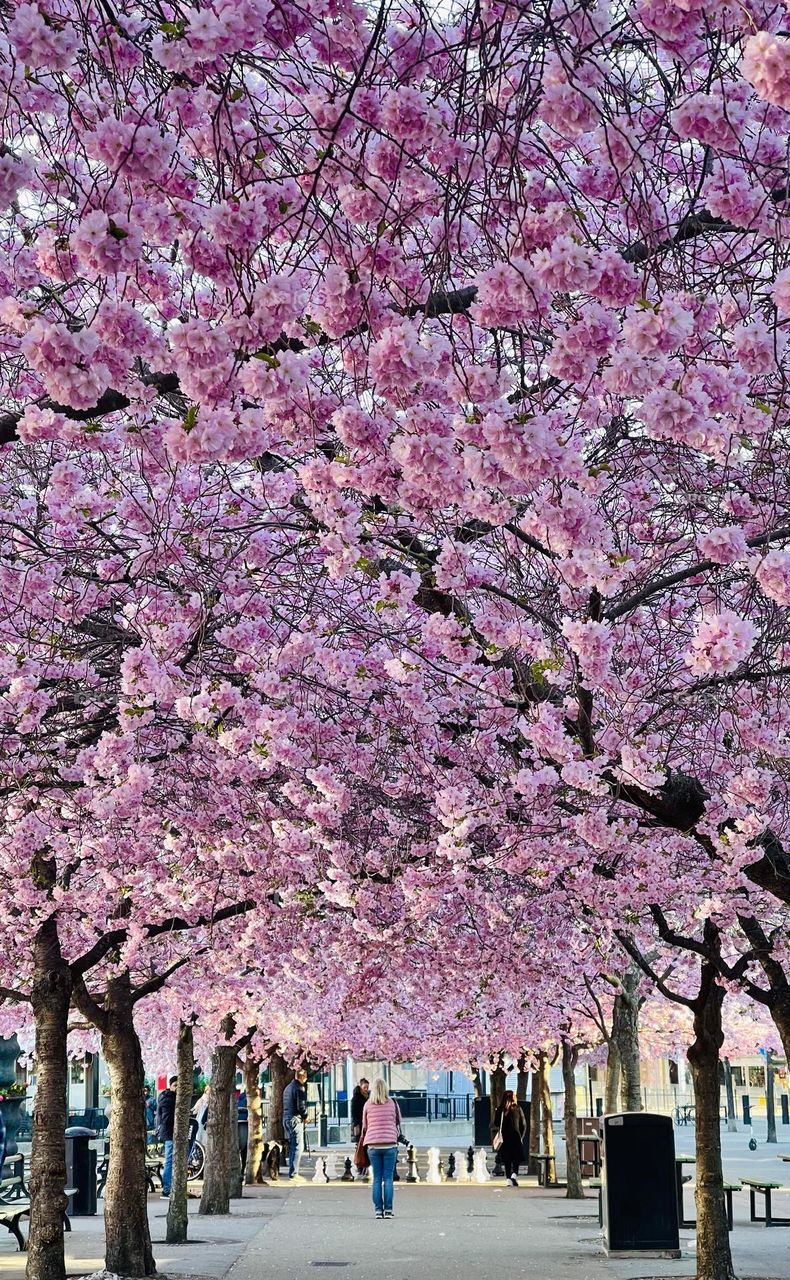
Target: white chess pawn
x=461 y=1171
x=319 y=1177
x=481 y=1173
x=330 y=1167
x=432 y=1176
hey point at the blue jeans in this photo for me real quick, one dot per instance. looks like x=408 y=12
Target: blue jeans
x=167 y=1172
x=382 y=1163
x=295 y=1145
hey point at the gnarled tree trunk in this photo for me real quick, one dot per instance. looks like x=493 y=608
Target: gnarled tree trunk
x=178 y=1211
x=252 y=1073
x=279 y=1075
x=128 y=1249
x=575 y=1190
x=50 y=999
x=714 y=1258
x=216 y=1181
x=625 y=1035
x=522 y=1081
x=547 y=1119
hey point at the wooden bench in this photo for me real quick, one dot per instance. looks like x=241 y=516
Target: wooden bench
x=153 y=1169
x=766 y=1189
x=547 y=1166
x=11 y=1215
x=729 y=1187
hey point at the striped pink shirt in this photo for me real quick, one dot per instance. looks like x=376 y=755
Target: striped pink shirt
x=380 y=1123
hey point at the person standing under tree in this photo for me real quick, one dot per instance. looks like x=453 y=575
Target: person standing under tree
x=510 y=1123
x=380 y=1127
x=294 y=1116
x=165 y=1121
x=358 y=1099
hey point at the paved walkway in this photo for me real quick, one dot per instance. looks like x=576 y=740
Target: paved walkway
x=445 y=1233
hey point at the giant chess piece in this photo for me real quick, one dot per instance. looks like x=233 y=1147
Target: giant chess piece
x=461 y=1167
x=395 y=1174
x=481 y=1173
x=330 y=1167
x=413 y=1175
x=433 y=1177
x=347 y=1174
x=470 y=1161
x=319 y=1177
x=451 y=1167
x=499 y=1168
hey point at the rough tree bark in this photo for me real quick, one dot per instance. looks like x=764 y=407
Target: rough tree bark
x=219 y=1140
x=547 y=1119
x=128 y=1249
x=770 y=1101
x=252 y=1072
x=612 y=1094
x=279 y=1076
x=178 y=1212
x=50 y=999
x=477 y=1083
x=535 y=1126
x=714 y=1257
x=575 y=1190
x=625 y=1035
x=732 y=1117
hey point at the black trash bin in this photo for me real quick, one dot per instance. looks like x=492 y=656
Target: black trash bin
x=81 y=1171
x=639 y=1193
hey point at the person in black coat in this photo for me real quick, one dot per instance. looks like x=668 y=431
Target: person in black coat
x=509 y=1121
x=165 y=1122
x=358 y=1099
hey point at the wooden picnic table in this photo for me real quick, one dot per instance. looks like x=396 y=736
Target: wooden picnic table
x=765 y=1188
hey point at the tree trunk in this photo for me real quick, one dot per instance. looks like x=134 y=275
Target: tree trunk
x=575 y=1190
x=732 y=1117
x=50 y=998
x=714 y=1259
x=770 y=1102
x=235 y=1172
x=536 y=1093
x=128 y=1249
x=498 y=1082
x=547 y=1118
x=216 y=1181
x=625 y=1034
x=252 y=1072
x=477 y=1083
x=780 y=1012
x=178 y=1212
x=279 y=1075
x=612 y=1097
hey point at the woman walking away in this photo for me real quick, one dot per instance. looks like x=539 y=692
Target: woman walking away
x=380 y=1125
x=510 y=1123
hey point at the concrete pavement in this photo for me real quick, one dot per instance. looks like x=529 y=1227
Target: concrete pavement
x=462 y=1232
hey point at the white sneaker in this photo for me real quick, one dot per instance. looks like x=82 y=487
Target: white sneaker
x=514 y=1180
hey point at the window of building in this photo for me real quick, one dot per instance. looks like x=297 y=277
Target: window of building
x=756 y=1077
x=674 y=1077
x=738 y=1077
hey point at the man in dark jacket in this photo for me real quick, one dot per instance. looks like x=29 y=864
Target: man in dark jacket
x=294 y=1116
x=358 y=1099
x=165 y=1121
